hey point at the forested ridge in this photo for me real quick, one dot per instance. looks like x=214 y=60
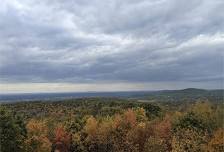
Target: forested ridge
x=112 y=125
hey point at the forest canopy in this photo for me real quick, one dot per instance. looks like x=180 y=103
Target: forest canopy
x=111 y=125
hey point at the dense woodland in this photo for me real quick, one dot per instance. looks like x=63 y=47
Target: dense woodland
x=112 y=125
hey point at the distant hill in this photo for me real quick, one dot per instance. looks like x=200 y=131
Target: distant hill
x=189 y=94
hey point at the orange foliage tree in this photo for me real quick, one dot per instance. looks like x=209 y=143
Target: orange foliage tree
x=216 y=144
x=62 y=140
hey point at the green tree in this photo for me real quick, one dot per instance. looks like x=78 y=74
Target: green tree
x=12 y=132
x=191 y=131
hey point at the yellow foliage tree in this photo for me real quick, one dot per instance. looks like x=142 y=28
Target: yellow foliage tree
x=189 y=140
x=216 y=144
x=37 y=140
x=91 y=127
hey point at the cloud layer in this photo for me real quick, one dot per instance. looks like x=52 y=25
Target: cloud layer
x=112 y=41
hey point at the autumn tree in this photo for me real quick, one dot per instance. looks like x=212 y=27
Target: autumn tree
x=190 y=133
x=205 y=113
x=91 y=129
x=62 y=140
x=189 y=140
x=37 y=140
x=216 y=144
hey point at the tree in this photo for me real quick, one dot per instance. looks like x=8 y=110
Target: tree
x=37 y=140
x=91 y=130
x=216 y=144
x=190 y=133
x=62 y=141
x=206 y=114
x=91 y=127
x=12 y=132
x=155 y=144
x=189 y=140
x=190 y=121
x=130 y=118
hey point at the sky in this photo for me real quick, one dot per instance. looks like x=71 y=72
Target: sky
x=110 y=45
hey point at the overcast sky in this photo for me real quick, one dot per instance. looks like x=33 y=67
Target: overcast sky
x=108 y=45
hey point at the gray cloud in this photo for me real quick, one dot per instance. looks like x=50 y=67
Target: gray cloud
x=111 y=41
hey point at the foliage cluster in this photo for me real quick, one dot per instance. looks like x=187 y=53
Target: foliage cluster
x=111 y=125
